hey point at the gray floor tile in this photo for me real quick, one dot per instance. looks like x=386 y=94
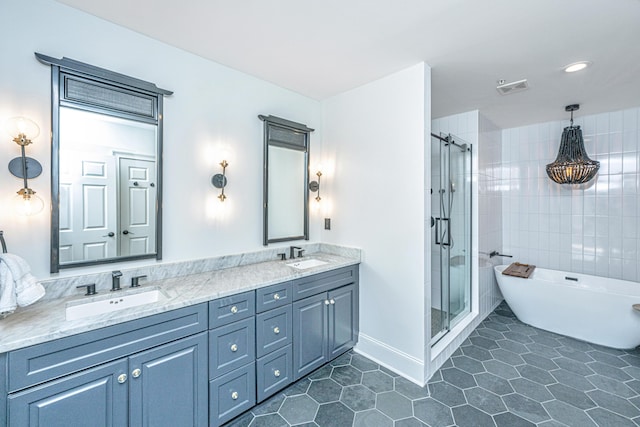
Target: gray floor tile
x=372 y=418
x=531 y=389
x=409 y=389
x=358 y=398
x=299 y=409
x=346 y=375
x=432 y=412
x=508 y=419
x=334 y=415
x=572 y=380
x=571 y=396
x=604 y=418
x=446 y=393
x=468 y=364
x=493 y=383
x=484 y=400
x=505 y=374
x=526 y=408
x=468 y=416
x=377 y=381
x=394 y=405
x=410 y=422
x=567 y=414
x=614 y=403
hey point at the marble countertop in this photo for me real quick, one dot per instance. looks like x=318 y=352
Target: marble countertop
x=46 y=320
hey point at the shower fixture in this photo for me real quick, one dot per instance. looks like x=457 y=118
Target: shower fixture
x=573 y=165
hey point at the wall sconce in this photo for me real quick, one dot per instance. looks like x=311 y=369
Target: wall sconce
x=219 y=180
x=315 y=186
x=23 y=130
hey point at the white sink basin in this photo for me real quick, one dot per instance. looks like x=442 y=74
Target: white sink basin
x=120 y=300
x=307 y=263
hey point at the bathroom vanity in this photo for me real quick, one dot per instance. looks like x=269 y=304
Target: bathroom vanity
x=202 y=355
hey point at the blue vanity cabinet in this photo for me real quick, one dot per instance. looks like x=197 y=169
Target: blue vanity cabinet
x=150 y=371
x=274 y=367
x=232 y=355
x=325 y=325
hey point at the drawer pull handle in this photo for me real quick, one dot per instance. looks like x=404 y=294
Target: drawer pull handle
x=136 y=373
x=332 y=301
x=276 y=330
x=276 y=373
x=234 y=309
x=122 y=378
x=326 y=302
x=234 y=347
x=235 y=395
x=276 y=297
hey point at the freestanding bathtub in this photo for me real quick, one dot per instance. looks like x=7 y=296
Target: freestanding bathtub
x=589 y=308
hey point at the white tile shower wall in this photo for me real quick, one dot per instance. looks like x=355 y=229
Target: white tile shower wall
x=592 y=230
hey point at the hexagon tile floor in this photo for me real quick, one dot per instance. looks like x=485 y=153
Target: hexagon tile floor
x=507 y=374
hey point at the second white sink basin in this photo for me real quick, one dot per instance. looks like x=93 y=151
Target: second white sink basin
x=308 y=263
x=120 y=300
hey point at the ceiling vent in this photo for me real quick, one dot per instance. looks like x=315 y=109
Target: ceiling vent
x=513 y=87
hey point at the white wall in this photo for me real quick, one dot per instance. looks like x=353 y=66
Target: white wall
x=213 y=109
x=592 y=230
x=374 y=138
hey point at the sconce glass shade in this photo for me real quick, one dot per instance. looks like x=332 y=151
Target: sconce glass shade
x=573 y=165
x=27 y=203
x=21 y=129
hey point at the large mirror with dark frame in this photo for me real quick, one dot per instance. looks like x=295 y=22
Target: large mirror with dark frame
x=286 y=174
x=106 y=166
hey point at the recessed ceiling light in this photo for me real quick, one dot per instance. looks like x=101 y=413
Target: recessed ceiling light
x=576 y=66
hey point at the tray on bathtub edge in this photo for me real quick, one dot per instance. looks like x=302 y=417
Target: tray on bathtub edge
x=519 y=270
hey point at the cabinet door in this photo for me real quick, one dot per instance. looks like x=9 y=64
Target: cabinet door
x=343 y=320
x=93 y=398
x=168 y=384
x=309 y=334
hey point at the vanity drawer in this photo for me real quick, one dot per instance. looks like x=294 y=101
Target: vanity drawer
x=323 y=282
x=232 y=394
x=273 y=330
x=43 y=362
x=274 y=372
x=223 y=311
x=231 y=346
x=273 y=296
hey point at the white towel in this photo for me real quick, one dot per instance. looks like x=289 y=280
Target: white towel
x=18 y=287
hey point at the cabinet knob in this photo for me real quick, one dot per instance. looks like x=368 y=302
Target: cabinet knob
x=122 y=378
x=234 y=347
x=276 y=297
x=234 y=309
x=332 y=301
x=276 y=330
x=136 y=373
x=235 y=395
x=276 y=373
x=326 y=302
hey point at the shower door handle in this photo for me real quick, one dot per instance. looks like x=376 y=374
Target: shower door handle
x=443 y=242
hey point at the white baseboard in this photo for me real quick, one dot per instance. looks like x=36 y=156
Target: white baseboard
x=391 y=358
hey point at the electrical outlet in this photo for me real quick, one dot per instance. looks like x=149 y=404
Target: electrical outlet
x=327 y=223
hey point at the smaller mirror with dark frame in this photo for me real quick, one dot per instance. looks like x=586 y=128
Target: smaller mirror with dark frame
x=286 y=177
x=106 y=165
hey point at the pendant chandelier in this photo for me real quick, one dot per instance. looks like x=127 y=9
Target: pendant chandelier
x=573 y=165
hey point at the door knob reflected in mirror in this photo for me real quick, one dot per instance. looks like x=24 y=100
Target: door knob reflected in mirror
x=125 y=232
x=110 y=234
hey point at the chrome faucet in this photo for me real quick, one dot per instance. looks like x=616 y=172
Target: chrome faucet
x=292 y=251
x=115 y=280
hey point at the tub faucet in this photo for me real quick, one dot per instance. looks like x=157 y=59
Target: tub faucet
x=496 y=253
x=115 y=280
x=292 y=251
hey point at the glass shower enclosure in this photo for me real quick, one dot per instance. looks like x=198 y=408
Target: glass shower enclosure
x=450 y=233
